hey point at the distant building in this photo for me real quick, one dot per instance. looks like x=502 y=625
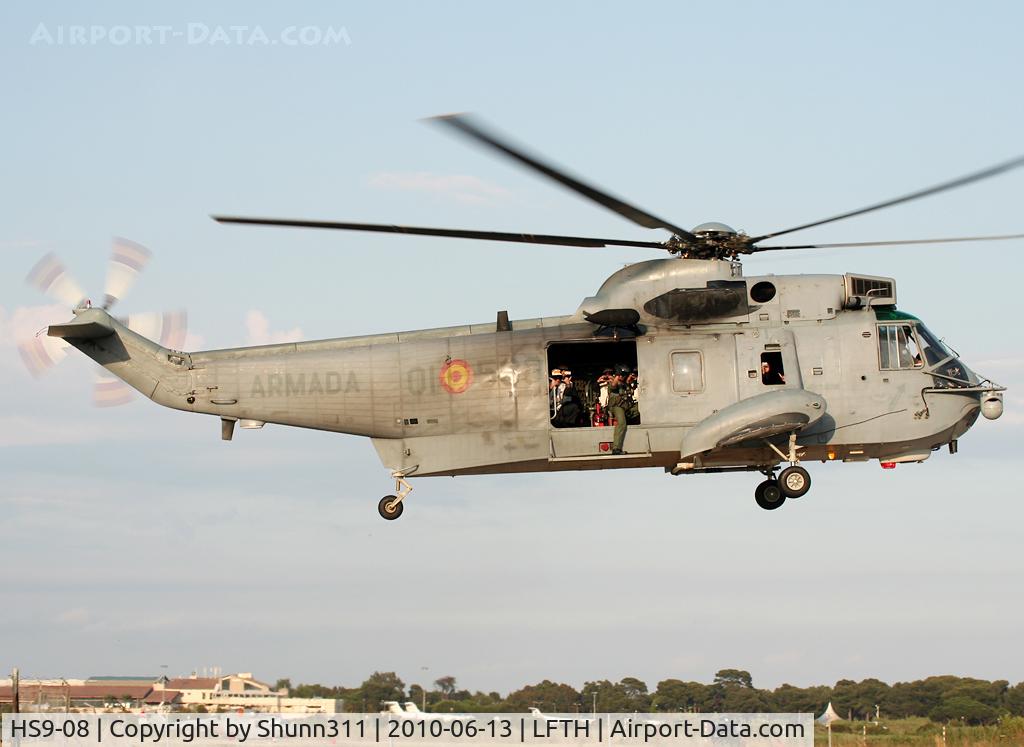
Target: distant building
x=242 y=690
x=46 y=695
x=230 y=692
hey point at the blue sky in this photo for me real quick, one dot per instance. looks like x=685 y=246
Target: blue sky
x=135 y=538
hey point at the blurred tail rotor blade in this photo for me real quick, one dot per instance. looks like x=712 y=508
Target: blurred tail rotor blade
x=109 y=391
x=127 y=260
x=41 y=353
x=168 y=328
x=175 y=327
x=50 y=276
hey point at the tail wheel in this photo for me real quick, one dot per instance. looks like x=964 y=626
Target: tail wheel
x=794 y=481
x=389 y=507
x=769 y=495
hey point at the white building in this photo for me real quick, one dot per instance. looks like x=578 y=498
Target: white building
x=239 y=691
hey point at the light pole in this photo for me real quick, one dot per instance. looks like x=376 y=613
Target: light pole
x=424 y=690
x=595 y=701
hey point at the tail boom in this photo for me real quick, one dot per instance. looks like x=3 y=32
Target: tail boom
x=141 y=363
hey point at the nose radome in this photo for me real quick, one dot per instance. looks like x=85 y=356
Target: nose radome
x=992 y=406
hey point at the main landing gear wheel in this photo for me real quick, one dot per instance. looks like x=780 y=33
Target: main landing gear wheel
x=769 y=495
x=390 y=507
x=795 y=481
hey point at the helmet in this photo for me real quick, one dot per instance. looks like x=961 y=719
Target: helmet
x=622 y=370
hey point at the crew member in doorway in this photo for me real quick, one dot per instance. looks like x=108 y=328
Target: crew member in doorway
x=569 y=407
x=771 y=375
x=603 y=383
x=600 y=407
x=633 y=382
x=620 y=406
x=555 y=391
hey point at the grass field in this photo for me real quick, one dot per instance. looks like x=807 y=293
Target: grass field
x=920 y=732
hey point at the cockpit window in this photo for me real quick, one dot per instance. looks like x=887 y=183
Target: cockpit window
x=934 y=351
x=898 y=347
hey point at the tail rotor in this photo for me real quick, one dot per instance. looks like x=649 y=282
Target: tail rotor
x=127 y=260
x=50 y=276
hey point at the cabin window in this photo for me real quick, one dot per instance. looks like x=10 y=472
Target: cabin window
x=772 y=372
x=687 y=372
x=897 y=347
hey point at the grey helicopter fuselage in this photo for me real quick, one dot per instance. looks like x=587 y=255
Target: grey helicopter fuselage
x=474 y=399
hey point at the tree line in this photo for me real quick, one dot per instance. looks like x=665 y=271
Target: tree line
x=943 y=699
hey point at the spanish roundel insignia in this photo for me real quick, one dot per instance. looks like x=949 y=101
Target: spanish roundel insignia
x=456 y=376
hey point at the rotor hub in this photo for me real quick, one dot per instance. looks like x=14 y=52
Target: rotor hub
x=714 y=240
x=713 y=228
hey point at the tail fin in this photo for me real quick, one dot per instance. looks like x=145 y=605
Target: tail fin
x=82 y=329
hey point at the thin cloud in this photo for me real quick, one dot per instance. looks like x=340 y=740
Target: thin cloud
x=23 y=322
x=258 y=330
x=459 y=187
x=33 y=430
x=75 y=616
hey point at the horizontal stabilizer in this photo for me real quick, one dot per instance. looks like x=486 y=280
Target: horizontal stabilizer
x=81 y=330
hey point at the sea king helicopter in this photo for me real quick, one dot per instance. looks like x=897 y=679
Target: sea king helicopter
x=732 y=373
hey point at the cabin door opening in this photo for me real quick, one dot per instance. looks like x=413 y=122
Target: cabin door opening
x=578 y=374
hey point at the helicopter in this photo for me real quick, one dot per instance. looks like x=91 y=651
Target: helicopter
x=730 y=373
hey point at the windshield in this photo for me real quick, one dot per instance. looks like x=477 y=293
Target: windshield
x=905 y=343
x=952 y=372
x=934 y=351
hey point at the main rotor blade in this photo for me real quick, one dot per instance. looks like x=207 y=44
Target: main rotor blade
x=466 y=126
x=960 y=182
x=891 y=243
x=454 y=233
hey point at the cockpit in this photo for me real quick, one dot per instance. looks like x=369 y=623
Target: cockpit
x=905 y=342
